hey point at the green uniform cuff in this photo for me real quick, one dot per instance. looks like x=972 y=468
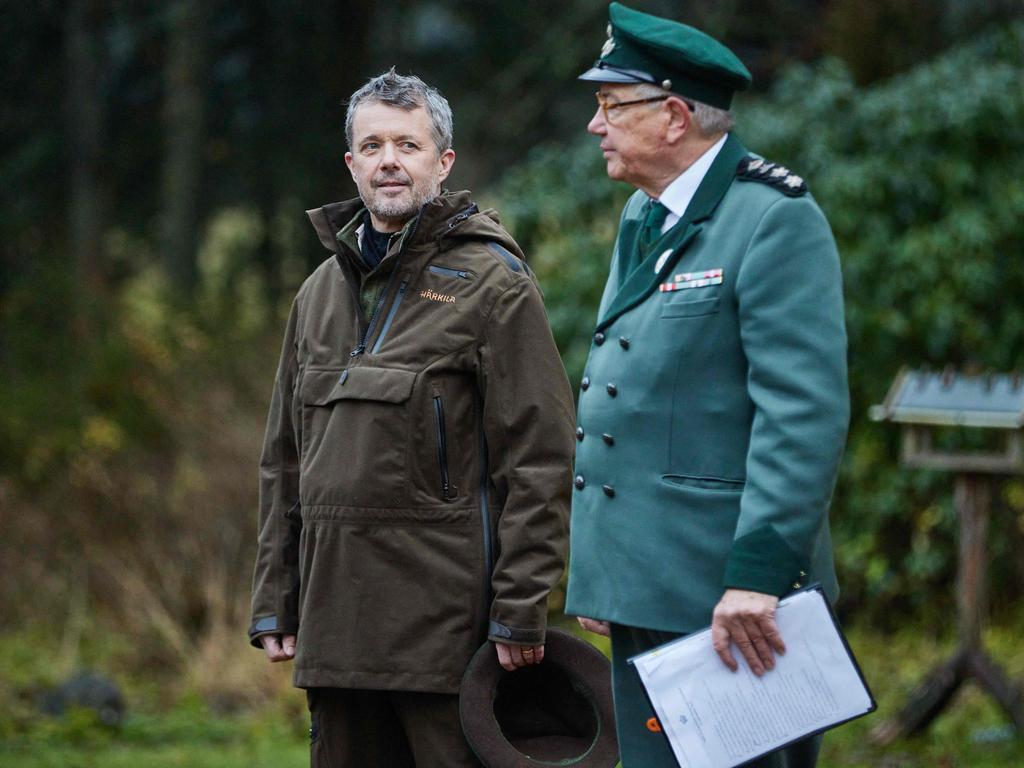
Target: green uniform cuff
x=762 y=561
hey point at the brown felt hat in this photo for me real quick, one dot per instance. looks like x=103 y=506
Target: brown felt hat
x=558 y=712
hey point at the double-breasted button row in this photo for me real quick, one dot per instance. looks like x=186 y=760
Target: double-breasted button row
x=599 y=339
x=610 y=387
x=797 y=584
x=581 y=483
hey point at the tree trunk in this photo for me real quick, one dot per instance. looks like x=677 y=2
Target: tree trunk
x=184 y=124
x=85 y=127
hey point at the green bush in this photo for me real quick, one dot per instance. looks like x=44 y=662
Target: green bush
x=922 y=179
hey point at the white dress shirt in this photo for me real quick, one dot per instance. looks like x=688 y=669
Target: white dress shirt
x=679 y=193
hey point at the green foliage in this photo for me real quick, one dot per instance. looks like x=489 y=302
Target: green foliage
x=562 y=209
x=922 y=179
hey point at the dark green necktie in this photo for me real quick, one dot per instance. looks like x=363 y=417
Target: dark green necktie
x=653 y=221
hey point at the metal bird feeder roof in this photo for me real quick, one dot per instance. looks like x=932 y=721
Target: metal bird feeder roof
x=921 y=399
x=953 y=399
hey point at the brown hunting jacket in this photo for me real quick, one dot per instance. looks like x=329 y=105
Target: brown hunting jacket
x=416 y=472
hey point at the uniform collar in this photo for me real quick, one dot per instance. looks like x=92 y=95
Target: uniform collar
x=643 y=278
x=680 y=192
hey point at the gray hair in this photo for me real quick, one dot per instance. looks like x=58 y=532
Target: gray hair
x=711 y=121
x=405 y=92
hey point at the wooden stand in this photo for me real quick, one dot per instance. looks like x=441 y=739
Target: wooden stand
x=971 y=496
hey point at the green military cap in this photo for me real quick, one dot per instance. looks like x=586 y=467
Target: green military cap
x=642 y=48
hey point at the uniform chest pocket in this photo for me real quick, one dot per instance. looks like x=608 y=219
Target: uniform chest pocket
x=355 y=430
x=690 y=307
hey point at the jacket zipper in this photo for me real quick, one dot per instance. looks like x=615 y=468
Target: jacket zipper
x=447 y=490
x=448 y=271
x=360 y=348
x=461 y=217
x=390 y=317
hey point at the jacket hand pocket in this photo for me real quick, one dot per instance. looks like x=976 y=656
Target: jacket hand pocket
x=355 y=427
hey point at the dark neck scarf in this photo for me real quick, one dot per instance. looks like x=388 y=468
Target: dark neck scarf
x=374 y=245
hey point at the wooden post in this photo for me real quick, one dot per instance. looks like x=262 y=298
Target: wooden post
x=972 y=497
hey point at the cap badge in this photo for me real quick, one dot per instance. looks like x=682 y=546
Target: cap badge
x=609 y=45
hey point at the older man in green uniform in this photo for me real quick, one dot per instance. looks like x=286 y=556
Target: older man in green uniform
x=713 y=408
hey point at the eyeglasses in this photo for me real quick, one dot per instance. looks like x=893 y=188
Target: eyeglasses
x=609 y=106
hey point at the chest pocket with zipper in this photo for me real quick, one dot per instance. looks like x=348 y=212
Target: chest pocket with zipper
x=355 y=433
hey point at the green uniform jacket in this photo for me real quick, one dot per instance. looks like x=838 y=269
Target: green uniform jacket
x=712 y=415
x=416 y=472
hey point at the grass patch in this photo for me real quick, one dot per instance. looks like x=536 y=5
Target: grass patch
x=187 y=735
x=973 y=733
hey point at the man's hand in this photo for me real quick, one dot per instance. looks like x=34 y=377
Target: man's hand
x=512 y=657
x=279 y=648
x=593 y=625
x=748 y=620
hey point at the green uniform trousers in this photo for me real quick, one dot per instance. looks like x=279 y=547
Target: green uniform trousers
x=352 y=728
x=643 y=748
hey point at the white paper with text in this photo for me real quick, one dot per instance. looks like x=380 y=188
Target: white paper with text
x=716 y=718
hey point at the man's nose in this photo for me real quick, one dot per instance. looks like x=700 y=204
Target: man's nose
x=389 y=157
x=597 y=123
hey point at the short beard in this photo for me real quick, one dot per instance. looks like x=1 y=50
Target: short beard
x=397 y=210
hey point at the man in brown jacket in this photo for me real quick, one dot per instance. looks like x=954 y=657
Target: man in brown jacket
x=415 y=478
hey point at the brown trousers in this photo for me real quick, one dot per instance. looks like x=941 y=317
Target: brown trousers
x=352 y=728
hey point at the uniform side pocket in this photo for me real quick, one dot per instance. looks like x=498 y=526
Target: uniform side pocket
x=713 y=484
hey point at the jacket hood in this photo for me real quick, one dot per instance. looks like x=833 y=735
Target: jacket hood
x=448 y=218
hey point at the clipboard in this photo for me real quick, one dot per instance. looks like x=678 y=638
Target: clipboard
x=715 y=718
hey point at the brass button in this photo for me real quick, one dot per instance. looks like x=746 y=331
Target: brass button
x=579 y=482
x=612 y=390
x=579 y=433
x=585 y=384
x=608 y=491
x=623 y=342
x=599 y=338
x=608 y=439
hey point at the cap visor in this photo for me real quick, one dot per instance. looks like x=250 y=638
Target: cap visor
x=602 y=75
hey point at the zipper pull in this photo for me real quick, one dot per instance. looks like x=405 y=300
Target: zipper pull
x=459 y=219
x=357 y=351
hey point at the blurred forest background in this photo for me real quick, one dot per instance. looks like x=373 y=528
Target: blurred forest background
x=155 y=162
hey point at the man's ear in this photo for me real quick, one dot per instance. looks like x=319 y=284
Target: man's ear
x=348 y=162
x=447 y=160
x=680 y=119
